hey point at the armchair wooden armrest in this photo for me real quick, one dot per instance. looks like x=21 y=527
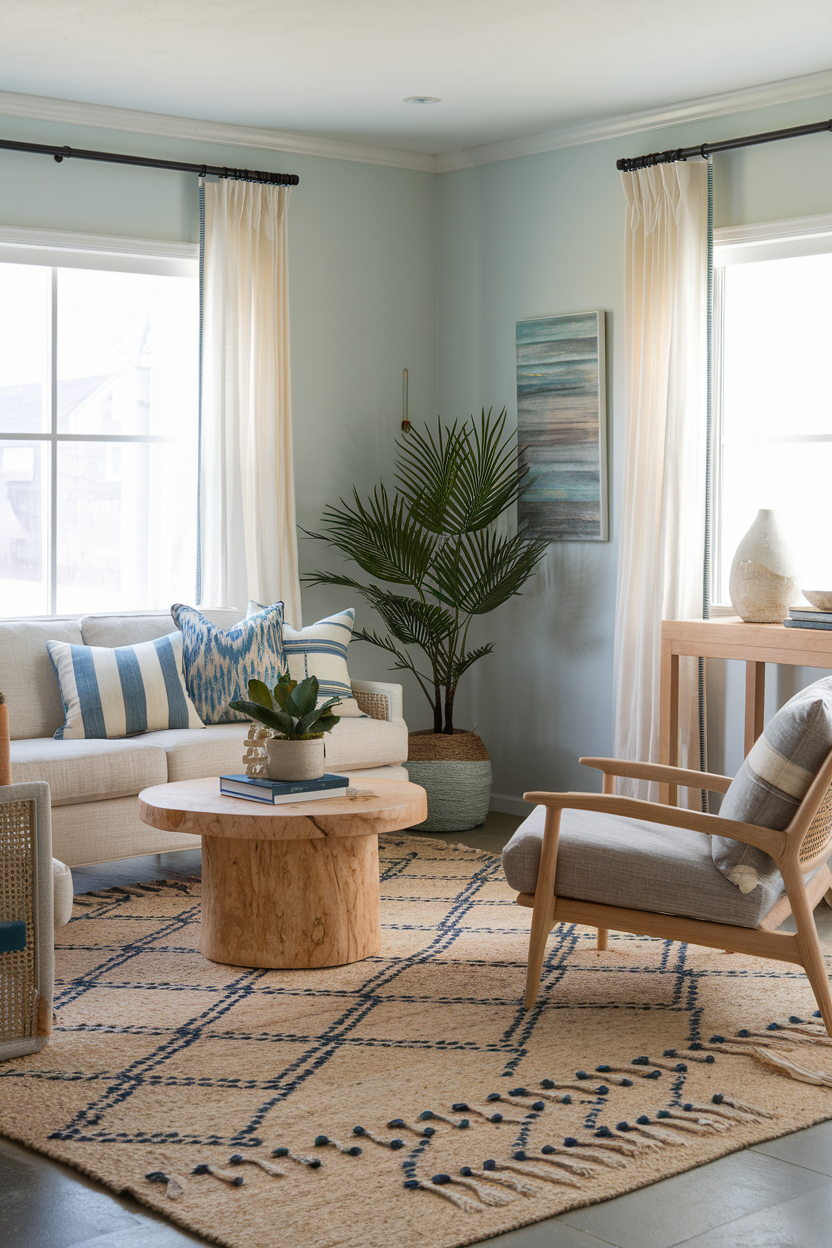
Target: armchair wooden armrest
x=767 y=839
x=659 y=771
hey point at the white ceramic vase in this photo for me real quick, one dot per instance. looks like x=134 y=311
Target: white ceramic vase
x=765 y=578
x=294 y=760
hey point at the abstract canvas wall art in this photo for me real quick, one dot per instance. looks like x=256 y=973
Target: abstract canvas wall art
x=562 y=426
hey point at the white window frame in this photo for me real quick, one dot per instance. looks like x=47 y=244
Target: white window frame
x=745 y=244
x=62 y=250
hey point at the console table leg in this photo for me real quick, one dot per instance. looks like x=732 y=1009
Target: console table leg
x=755 y=696
x=290 y=904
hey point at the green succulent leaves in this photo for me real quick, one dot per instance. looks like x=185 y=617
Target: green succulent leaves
x=290 y=709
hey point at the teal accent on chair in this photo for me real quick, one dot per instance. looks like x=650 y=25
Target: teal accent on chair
x=219 y=663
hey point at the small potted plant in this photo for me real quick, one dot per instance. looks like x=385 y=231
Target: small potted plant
x=296 y=748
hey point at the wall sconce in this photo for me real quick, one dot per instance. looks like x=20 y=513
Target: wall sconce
x=405 y=414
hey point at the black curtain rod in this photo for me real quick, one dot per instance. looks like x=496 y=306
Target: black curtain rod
x=630 y=164
x=147 y=162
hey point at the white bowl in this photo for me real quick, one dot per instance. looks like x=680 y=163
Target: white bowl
x=820 y=598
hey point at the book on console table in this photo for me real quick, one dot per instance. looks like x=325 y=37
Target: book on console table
x=817 y=619
x=811 y=615
x=275 y=792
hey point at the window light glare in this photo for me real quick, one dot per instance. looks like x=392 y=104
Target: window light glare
x=422 y=99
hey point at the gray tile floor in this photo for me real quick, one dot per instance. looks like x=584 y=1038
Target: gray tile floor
x=776 y=1195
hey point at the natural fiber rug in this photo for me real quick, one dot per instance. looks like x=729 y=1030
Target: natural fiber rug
x=165 y=1067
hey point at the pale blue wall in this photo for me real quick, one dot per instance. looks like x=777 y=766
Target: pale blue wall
x=542 y=235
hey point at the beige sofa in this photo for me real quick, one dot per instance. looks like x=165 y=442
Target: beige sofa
x=94 y=784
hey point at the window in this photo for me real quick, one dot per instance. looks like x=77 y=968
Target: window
x=773 y=392
x=98 y=432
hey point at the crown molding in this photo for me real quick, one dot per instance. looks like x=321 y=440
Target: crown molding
x=107 y=117
x=785 y=91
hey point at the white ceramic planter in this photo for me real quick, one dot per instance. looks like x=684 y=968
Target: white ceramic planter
x=459 y=793
x=294 y=760
x=765 y=579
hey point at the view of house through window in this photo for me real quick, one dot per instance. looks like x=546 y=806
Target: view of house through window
x=773 y=445
x=98 y=427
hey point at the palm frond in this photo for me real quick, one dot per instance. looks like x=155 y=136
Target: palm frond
x=465 y=660
x=381 y=536
x=415 y=623
x=463 y=478
x=477 y=572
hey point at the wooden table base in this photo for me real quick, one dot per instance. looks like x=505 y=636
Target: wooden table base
x=290 y=904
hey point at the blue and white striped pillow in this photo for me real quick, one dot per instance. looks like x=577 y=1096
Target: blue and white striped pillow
x=321 y=650
x=124 y=691
x=219 y=662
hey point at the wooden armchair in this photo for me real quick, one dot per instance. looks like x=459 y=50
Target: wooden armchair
x=801 y=849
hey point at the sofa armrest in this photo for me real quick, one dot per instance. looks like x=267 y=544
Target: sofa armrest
x=378 y=699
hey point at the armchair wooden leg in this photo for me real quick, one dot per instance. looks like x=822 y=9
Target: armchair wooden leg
x=543 y=914
x=809 y=945
x=603 y=933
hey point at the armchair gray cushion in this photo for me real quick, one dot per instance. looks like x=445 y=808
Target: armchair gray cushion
x=773 y=781
x=641 y=866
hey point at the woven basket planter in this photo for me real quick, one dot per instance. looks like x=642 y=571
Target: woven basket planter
x=458 y=785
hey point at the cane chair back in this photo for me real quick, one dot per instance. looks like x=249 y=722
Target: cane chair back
x=26 y=919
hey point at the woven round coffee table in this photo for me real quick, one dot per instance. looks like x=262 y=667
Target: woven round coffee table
x=294 y=885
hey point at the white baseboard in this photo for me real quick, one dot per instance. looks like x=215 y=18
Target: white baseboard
x=510 y=805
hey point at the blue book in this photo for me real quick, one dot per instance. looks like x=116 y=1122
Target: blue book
x=274 y=792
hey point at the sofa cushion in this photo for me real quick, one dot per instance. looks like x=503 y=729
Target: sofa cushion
x=122 y=691
x=89 y=771
x=27 y=676
x=219 y=663
x=357 y=743
x=218 y=749
x=320 y=650
x=127 y=630
x=773 y=781
x=192 y=754
x=637 y=865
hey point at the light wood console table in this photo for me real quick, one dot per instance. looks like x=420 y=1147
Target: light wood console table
x=729 y=638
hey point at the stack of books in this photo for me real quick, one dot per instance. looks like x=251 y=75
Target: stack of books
x=275 y=792
x=808 y=617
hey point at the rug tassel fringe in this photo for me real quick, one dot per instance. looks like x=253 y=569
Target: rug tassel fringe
x=460 y=1123
x=769 y=1058
x=314 y=1163
x=226 y=1176
x=579 y=1169
x=237 y=1159
x=174 y=1185
x=351 y=1150
x=465 y=1203
x=503 y=1180
x=488 y=1195
x=742 y=1107
x=519 y=1168
x=608 y=1159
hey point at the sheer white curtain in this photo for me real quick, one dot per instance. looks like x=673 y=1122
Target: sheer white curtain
x=247 y=496
x=660 y=567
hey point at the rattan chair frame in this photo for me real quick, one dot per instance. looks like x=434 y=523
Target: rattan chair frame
x=26 y=977
x=799 y=850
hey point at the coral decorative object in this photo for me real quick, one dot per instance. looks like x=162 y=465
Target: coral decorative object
x=765 y=579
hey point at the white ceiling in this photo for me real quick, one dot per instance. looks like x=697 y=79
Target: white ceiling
x=340 y=68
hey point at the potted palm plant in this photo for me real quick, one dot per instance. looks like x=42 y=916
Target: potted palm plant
x=439 y=555
x=295 y=748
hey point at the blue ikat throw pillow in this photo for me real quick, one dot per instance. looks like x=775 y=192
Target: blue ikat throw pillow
x=219 y=663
